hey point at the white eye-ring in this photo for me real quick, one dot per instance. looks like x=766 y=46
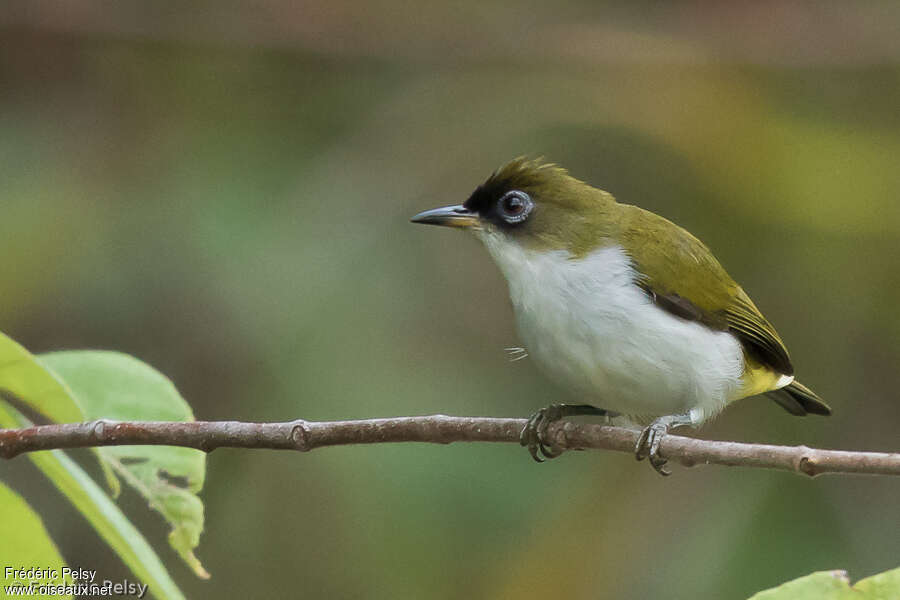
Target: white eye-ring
x=515 y=206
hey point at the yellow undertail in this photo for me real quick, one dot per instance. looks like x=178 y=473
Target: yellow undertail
x=791 y=395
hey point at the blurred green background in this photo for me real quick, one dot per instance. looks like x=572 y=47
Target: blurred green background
x=223 y=190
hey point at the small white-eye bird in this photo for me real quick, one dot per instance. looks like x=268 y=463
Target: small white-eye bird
x=624 y=308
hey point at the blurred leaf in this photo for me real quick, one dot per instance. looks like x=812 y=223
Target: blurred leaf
x=111 y=385
x=834 y=585
x=884 y=586
x=92 y=502
x=25 y=380
x=26 y=542
x=30 y=383
x=825 y=585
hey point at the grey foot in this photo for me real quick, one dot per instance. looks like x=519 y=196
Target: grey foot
x=647 y=445
x=534 y=434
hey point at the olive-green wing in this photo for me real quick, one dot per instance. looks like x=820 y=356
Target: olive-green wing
x=757 y=334
x=682 y=277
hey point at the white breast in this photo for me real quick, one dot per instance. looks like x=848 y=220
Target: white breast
x=593 y=330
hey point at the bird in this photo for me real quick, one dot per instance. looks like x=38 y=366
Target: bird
x=623 y=308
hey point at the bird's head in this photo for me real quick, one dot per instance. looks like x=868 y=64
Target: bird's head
x=532 y=204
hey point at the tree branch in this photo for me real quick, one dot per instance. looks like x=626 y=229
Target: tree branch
x=308 y=435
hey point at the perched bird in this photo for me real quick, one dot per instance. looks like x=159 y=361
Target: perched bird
x=623 y=307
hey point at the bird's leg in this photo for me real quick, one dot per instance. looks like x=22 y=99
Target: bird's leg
x=534 y=433
x=648 y=443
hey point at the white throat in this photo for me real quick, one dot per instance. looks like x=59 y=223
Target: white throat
x=594 y=331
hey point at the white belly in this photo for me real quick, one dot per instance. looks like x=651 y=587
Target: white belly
x=597 y=333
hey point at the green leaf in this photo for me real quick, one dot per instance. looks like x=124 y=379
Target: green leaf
x=69 y=387
x=884 y=586
x=100 y=511
x=27 y=544
x=22 y=377
x=111 y=385
x=24 y=380
x=834 y=585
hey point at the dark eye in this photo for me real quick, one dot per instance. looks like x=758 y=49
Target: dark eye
x=515 y=206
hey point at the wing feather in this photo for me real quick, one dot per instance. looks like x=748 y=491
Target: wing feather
x=685 y=279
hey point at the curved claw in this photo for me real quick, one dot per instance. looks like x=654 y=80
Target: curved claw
x=641 y=448
x=549 y=451
x=533 y=451
x=528 y=437
x=647 y=446
x=659 y=463
x=534 y=434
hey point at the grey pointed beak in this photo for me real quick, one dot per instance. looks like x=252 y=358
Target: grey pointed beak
x=448 y=216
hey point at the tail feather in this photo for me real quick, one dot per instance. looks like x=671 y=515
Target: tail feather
x=799 y=400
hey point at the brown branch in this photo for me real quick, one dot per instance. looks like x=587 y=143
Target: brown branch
x=307 y=435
